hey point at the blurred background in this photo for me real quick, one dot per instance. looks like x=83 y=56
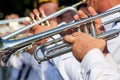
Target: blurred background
x=21 y=7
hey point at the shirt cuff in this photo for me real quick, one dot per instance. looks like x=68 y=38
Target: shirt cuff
x=91 y=58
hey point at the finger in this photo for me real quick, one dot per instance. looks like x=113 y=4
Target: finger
x=82 y=14
x=80 y=35
x=77 y=34
x=69 y=38
x=76 y=17
x=42 y=12
x=96 y=21
x=32 y=16
x=93 y=13
x=53 y=23
x=43 y=15
x=36 y=12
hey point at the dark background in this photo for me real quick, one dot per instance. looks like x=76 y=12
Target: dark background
x=23 y=7
x=20 y=7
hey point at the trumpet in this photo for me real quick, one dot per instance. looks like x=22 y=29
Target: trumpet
x=8 y=47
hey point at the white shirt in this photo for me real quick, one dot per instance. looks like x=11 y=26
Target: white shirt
x=96 y=67
x=115 y=55
x=113 y=44
x=70 y=68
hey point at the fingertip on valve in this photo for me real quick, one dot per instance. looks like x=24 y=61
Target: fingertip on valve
x=69 y=38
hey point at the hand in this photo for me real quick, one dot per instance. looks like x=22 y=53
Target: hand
x=41 y=27
x=83 y=43
x=39 y=14
x=97 y=22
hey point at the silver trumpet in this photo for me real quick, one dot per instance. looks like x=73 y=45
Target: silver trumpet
x=8 y=47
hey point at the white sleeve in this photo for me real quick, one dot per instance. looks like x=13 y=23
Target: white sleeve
x=97 y=68
x=112 y=62
x=116 y=54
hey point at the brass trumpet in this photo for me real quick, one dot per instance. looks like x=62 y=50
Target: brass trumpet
x=8 y=47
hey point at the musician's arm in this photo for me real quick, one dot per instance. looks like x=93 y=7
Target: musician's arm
x=88 y=51
x=97 y=67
